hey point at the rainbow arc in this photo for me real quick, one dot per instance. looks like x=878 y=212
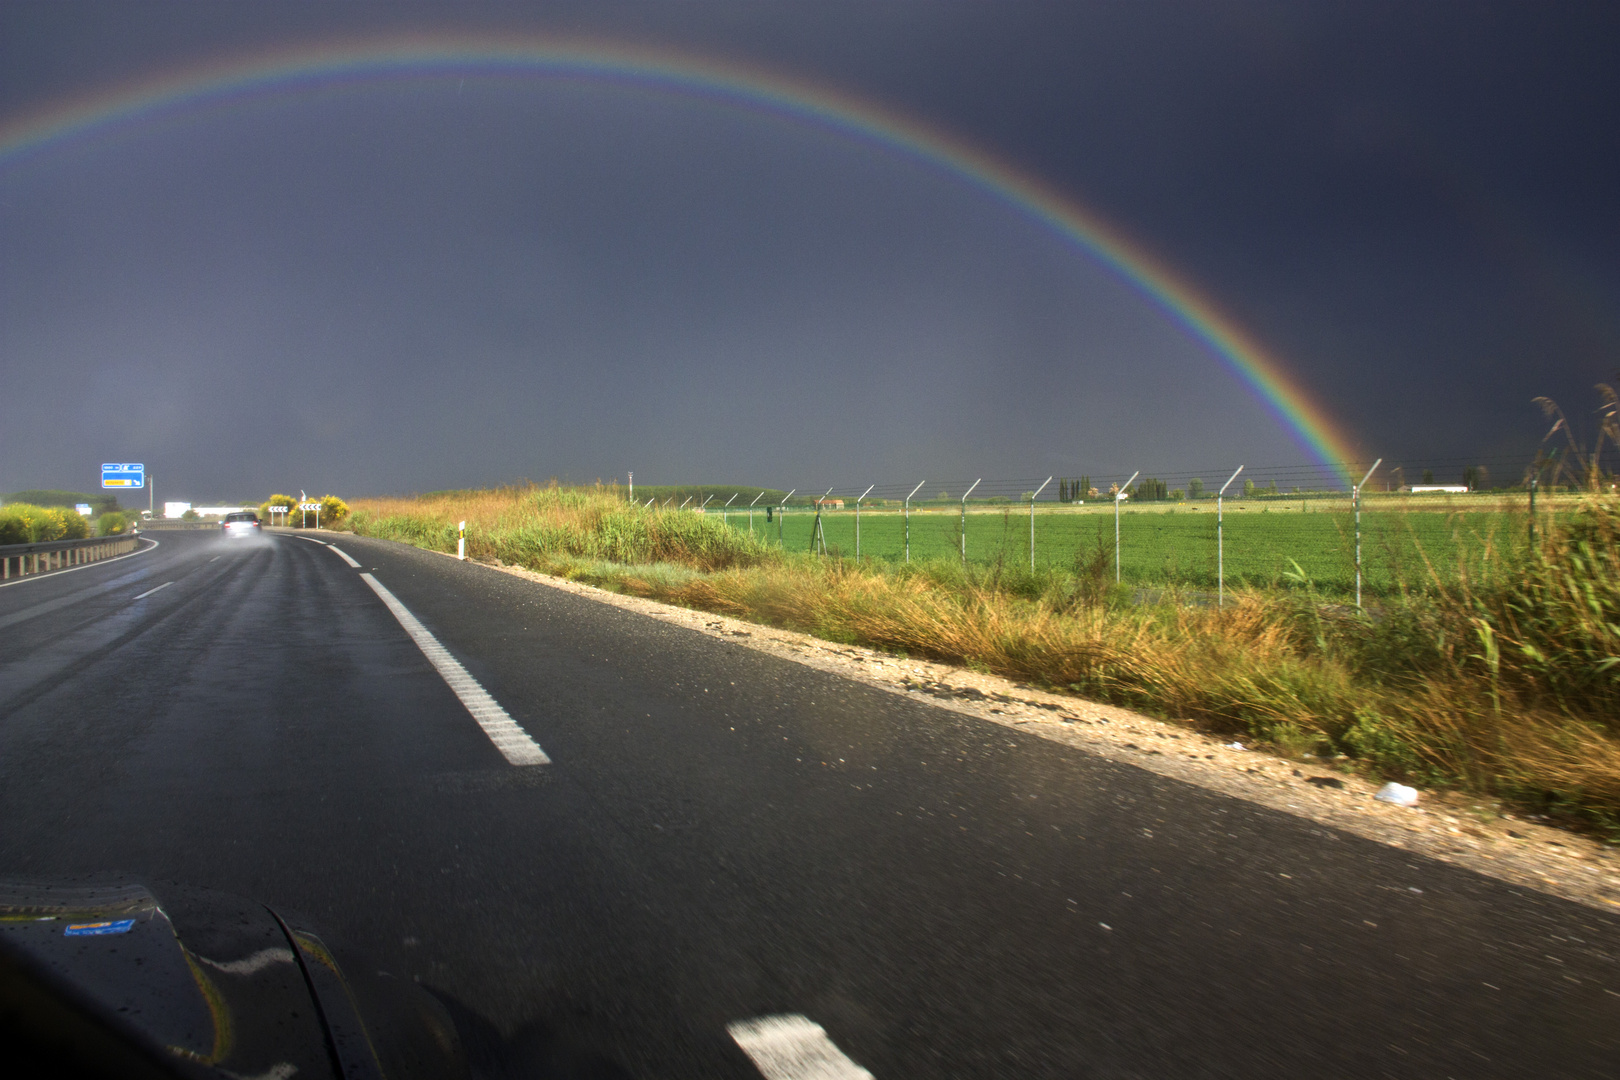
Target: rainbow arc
x=289 y=70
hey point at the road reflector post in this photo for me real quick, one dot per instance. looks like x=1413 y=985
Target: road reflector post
x=461 y=541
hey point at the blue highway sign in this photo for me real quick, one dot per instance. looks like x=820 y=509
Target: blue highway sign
x=123 y=476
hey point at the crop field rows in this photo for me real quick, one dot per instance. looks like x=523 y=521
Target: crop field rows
x=1399 y=548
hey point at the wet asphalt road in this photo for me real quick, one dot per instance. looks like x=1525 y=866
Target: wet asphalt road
x=724 y=835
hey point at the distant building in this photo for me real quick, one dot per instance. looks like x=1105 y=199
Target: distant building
x=1424 y=489
x=830 y=504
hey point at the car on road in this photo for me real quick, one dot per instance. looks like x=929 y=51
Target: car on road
x=241 y=523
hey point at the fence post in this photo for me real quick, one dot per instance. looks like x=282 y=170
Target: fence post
x=817 y=537
x=1032 y=524
x=965 y=494
x=780 y=512
x=758 y=497
x=1533 y=482
x=908 y=518
x=1356 y=496
x=1220 y=541
x=864 y=494
x=1119 y=497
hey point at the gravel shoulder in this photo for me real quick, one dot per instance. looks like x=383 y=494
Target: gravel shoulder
x=1454 y=828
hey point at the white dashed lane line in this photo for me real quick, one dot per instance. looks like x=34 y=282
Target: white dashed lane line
x=149 y=592
x=793 y=1047
x=512 y=741
x=344 y=555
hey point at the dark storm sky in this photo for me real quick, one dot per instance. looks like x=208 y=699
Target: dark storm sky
x=421 y=283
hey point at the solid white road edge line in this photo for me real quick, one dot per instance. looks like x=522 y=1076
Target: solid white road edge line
x=344 y=555
x=793 y=1047
x=149 y=592
x=82 y=566
x=512 y=741
x=312 y=540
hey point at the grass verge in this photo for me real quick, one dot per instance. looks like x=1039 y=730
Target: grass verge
x=1509 y=688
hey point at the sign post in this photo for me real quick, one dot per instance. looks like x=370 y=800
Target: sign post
x=305 y=508
x=130 y=474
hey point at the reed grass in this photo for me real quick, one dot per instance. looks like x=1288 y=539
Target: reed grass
x=1507 y=687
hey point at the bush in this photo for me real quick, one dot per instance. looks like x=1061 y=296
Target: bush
x=278 y=500
x=333 y=511
x=113 y=524
x=102 y=503
x=23 y=523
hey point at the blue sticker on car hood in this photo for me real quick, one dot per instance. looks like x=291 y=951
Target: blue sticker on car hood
x=92 y=929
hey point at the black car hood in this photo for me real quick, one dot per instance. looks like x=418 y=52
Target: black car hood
x=196 y=982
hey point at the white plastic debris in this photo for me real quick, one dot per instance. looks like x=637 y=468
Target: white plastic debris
x=1234 y=746
x=1399 y=794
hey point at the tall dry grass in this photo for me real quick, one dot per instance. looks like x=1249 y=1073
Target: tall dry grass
x=1511 y=690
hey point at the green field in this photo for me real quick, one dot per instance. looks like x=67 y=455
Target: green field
x=1177 y=546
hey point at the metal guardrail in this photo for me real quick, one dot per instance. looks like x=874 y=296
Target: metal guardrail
x=162 y=524
x=23 y=560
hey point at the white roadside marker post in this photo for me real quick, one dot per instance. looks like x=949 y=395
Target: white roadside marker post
x=461 y=541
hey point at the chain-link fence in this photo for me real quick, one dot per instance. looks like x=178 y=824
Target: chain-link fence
x=1271 y=528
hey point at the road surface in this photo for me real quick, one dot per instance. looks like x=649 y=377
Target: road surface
x=719 y=836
